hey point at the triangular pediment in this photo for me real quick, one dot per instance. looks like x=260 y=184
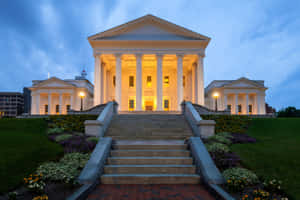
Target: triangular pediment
x=53 y=82
x=148 y=27
x=244 y=83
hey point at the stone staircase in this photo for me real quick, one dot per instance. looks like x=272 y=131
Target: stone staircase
x=149 y=126
x=150 y=162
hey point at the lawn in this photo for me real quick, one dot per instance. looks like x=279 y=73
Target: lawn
x=23 y=146
x=276 y=153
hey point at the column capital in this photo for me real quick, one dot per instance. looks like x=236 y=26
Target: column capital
x=179 y=55
x=118 y=55
x=138 y=55
x=159 y=55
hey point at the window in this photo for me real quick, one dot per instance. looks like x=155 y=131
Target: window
x=166 y=105
x=131 y=81
x=114 y=81
x=131 y=104
x=239 y=108
x=46 y=109
x=229 y=107
x=149 y=81
x=68 y=107
x=166 y=81
x=57 y=109
x=250 y=109
x=183 y=81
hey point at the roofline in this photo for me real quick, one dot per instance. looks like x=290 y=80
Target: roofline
x=140 y=18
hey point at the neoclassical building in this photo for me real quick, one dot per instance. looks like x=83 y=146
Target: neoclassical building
x=57 y=96
x=241 y=96
x=148 y=64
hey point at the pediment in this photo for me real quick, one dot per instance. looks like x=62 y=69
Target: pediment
x=54 y=82
x=148 y=27
x=243 y=83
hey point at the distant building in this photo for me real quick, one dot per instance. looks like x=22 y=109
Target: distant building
x=27 y=100
x=57 y=96
x=11 y=104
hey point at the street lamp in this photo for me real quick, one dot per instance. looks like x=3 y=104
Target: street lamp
x=82 y=95
x=216 y=96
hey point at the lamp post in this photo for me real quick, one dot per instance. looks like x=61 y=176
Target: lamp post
x=216 y=96
x=82 y=95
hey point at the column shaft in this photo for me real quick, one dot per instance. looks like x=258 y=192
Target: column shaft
x=37 y=102
x=71 y=101
x=97 y=78
x=193 y=84
x=49 y=103
x=103 y=84
x=179 y=81
x=119 y=80
x=159 y=94
x=200 y=81
x=247 y=104
x=236 y=103
x=60 y=103
x=225 y=101
x=138 y=82
x=258 y=103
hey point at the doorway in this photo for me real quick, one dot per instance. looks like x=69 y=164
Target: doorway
x=149 y=105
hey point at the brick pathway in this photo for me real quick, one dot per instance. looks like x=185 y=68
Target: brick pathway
x=150 y=192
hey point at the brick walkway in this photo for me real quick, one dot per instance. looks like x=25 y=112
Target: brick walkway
x=150 y=192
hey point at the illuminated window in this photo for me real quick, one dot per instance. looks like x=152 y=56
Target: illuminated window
x=114 y=81
x=131 y=81
x=131 y=104
x=250 y=109
x=57 y=109
x=166 y=104
x=68 y=107
x=166 y=81
x=239 y=108
x=149 y=81
x=229 y=107
x=46 y=109
x=183 y=81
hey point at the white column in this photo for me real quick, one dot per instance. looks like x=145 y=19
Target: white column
x=247 y=104
x=138 y=82
x=33 y=104
x=236 y=103
x=225 y=101
x=258 y=103
x=159 y=92
x=103 y=84
x=179 y=81
x=119 y=80
x=200 y=80
x=49 y=103
x=193 y=84
x=60 y=103
x=37 y=103
x=97 y=78
x=263 y=104
x=71 y=101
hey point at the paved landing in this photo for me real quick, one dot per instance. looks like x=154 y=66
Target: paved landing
x=150 y=192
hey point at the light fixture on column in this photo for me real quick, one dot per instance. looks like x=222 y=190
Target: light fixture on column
x=216 y=96
x=81 y=95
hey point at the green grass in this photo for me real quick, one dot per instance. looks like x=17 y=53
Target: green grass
x=23 y=146
x=277 y=152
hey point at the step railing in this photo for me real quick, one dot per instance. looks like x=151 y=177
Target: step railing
x=98 y=127
x=201 y=128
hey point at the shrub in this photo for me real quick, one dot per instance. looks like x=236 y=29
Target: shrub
x=229 y=123
x=62 y=137
x=78 y=144
x=242 y=138
x=93 y=139
x=225 y=134
x=54 y=130
x=240 y=174
x=272 y=185
x=260 y=194
x=217 y=148
x=225 y=160
x=42 y=197
x=35 y=183
x=66 y=170
x=220 y=139
x=70 y=123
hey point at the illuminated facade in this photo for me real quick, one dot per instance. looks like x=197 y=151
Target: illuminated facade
x=148 y=64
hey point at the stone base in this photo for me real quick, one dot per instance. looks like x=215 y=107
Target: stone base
x=93 y=128
x=206 y=128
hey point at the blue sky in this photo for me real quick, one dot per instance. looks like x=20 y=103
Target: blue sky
x=257 y=39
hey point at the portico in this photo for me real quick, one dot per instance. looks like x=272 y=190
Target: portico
x=148 y=64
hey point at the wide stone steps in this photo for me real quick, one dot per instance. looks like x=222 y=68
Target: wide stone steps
x=150 y=153
x=150 y=137
x=150 y=161
x=150 y=179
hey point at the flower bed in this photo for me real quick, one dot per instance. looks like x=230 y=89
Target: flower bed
x=240 y=182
